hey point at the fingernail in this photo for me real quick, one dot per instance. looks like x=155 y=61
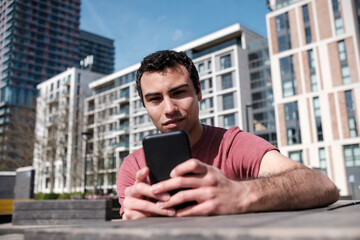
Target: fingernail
x=172 y=173
x=160 y=204
x=155 y=188
x=164 y=197
x=171 y=212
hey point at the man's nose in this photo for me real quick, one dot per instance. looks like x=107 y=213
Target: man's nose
x=170 y=106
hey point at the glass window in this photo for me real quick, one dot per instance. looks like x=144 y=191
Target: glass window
x=229 y=120
x=226 y=81
x=317 y=114
x=202 y=84
x=203 y=104
x=201 y=67
x=228 y=101
x=296 y=156
x=342 y=51
x=288 y=76
x=352 y=155
x=292 y=123
x=306 y=19
x=322 y=158
x=225 y=61
x=283 y=32
x=351 y=114
x=337 y=17
x=345 y=74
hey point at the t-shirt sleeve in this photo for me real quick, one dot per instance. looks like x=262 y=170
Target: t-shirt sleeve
x=246 y=152
x=126 y=177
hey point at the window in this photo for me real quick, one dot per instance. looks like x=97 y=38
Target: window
x=202 y=84
x=317 y=114
x=292 y=123
x=225 y=61
x=322 y=160
x=288 y=76
x=351 y=114
x=306 y=19
x=226 y=81
x=314 y=84
x=283 y=32
x=352 y=155
x=337 y=17
x=203 y=104
x=229 y=120
x=201 y=67
x=228 y=101
x=296 y=156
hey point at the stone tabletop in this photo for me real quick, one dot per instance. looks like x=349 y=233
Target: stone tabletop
x=338 y=221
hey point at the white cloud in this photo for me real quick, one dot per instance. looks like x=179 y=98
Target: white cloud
x=177 y=35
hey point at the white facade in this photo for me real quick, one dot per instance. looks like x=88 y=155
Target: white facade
x=60 y=111
x=115 y=113
x=323 y=38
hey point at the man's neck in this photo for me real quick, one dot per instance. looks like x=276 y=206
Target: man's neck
x=196 y=134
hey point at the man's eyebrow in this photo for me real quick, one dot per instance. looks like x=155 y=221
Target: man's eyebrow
x=178 y=87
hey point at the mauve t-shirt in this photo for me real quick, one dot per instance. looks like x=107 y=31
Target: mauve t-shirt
x=236 y=153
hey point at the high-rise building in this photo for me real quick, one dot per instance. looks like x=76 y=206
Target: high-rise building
x=315 y=62
x=262 y=101
x=119 y=122
x=59 y=125
x=100 y=48
x=38 y=39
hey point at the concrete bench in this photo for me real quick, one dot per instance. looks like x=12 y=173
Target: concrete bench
x=51 y=212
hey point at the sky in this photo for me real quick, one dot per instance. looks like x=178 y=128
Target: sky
x=140 y=27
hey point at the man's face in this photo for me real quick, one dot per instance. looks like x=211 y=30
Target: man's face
x=171 y=100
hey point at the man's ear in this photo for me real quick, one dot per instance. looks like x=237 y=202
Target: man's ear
x=199 y=95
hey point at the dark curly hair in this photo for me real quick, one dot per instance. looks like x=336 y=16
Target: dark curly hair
x=161 y=60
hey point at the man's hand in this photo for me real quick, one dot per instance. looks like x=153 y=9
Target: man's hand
x=214 y=193
x=138 y=199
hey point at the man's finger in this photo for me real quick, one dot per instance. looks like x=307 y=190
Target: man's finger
x=149 y=207
x=190 y=166
x=142 y=174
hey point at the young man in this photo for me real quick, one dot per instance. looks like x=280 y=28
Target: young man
x=232 y=171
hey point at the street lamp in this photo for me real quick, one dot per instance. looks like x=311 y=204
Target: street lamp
x=248 y=105
x=85 y=136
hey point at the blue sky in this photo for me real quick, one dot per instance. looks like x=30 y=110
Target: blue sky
x=140 y=27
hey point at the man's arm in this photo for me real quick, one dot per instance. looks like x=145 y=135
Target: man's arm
x=286 y=185
x=282 y=185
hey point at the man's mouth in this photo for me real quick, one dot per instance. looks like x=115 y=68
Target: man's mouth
x=173 y=122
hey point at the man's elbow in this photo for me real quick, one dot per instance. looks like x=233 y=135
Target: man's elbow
x=331 y=193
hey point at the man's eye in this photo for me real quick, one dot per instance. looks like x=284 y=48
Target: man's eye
x=154 y=99
x=179 y=92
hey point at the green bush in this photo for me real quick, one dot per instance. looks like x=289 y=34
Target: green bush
x=54 y=196
x=64 y=196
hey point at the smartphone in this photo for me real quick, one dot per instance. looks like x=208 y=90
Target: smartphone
x=163 y=152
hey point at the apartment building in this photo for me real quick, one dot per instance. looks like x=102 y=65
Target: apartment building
x=58 y=159
x=119 y=122
x=314 y=53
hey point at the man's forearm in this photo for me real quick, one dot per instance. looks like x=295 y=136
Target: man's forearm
x=296 y=189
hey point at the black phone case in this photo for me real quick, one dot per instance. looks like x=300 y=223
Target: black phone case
x=165 y=151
